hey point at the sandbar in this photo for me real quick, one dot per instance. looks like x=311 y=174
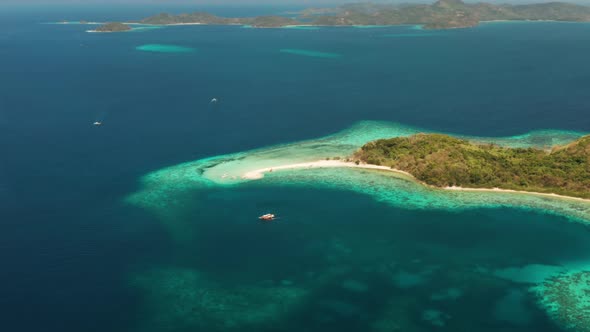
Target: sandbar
x=259 y=173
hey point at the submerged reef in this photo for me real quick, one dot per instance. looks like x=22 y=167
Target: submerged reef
x=180 y=298
x=164 y=48
x=567 y=299
x=512 y=308
x=162 y=191
x=186 y=297
x=310 y=53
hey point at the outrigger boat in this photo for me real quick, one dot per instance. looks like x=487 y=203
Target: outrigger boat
x=267 y=217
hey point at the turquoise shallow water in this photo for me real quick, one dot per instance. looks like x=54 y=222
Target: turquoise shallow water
x=132 y=226
x=162 y=48
x=391 y=188
x=560 y=287
x=398 y=270
x=310 y=53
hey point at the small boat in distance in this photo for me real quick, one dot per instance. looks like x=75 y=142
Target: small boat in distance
x=267 y=217
x=97 y=123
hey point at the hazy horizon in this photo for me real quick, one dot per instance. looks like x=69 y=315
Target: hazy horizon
x=303 y=3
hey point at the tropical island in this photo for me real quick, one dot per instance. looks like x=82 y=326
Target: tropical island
x=193 y=18
x=272 y=22
x=208 y=19
x=113 y=27
x=336 y=162
x=443 y=14
x=448 y=162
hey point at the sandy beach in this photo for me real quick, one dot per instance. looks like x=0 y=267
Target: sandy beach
x=259 y=173
x=499 y=190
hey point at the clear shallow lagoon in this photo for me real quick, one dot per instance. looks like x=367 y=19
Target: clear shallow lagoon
x=78 y=257
x=311 y=53
x=161 y=48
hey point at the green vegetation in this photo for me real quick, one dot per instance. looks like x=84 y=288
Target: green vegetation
x=443 y=14
x=442 y=160
x=272 y=22
x=193 y=18
x=205 y=18
x=113 y=27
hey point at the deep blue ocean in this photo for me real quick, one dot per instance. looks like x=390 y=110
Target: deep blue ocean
x=69 y=245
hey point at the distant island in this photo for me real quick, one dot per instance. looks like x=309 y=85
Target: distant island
x=113 y=27
x=208 y=19
x=272 y=22
x=446 y=14
x=443 y=14
x=452 y=163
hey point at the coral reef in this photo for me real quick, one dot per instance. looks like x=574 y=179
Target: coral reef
x=567 y=299
x=184 y=298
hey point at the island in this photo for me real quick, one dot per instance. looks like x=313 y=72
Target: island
x=452 y=163
x=442 y=14
x=113 y=27
x=189 y=19
x=446 y=14
x=272 y=22
x=209 y=19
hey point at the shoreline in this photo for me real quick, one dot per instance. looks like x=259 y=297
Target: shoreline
x=320 y=25
x=173 y=24
x=500 y=190
x=259 y=174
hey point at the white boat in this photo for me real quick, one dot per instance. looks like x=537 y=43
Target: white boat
x=267 y=217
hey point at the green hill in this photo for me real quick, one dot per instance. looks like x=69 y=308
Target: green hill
x=442 y=14
x=205 y=18
x=113 y=27
x=442 y=160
